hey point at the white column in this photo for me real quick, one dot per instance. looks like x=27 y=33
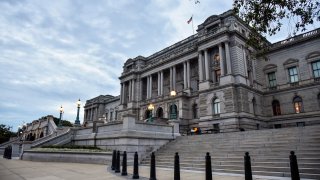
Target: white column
x=121 y=94
x=159 y=84
x=207 y=66
x=148 y=81
x=200 y=63
x=129 y=90
x=221 y=60
x=185 y=85
x=171 y=78
x=229 y=68
x=174 y=77
x=133 y=90
x=188 y=74
x=150 y=88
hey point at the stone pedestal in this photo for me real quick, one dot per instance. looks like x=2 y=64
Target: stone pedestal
x=204 y=85
x=227 y=79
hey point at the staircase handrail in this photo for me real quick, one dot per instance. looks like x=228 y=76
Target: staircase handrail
x=50 y=139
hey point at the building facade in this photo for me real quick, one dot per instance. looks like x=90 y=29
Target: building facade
x=219 y=83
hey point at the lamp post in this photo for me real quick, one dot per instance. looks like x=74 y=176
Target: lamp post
x=150 y=108
x=172 y=94
x=77 y=121
x=61 y=112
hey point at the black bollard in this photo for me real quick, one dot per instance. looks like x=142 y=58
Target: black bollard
x=5 y=153
x=124 y=164
x=294 y=166
x=117 y=169
x=153 y=167
x=114 y=156
x=208 y=167
x=176 y=167
x=247 y=167
x=135 y=167
x=10 y=152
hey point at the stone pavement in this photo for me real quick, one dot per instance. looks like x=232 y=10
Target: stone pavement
x=30 y=170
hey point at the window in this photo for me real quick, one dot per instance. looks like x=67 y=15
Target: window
x=276 y=108
x=272 y=79
x=160 y=112
x=195 y=111
x=297 y=103
x=216 y=128
x=277 y=126
x=115 y=115
x=293 y=74
x=216 y=106
x=111 y=116
x=316 y=69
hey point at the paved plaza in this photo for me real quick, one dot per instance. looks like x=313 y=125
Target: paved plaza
x=29 y=170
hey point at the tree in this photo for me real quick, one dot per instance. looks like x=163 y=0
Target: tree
x=266 y=16
x=5 y=133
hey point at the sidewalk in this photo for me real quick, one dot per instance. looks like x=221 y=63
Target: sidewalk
x=29 y=170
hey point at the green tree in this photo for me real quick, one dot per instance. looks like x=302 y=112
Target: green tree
x=5 y=133
x=266 y=17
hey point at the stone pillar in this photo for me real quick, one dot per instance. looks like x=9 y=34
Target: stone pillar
x=148 y=81
x=245 y=61
x=150 y=86
x=174 y=77
x=171 y=78
x=200 y=67
x=207 y=66
x=133 y=85
x=185 y=85
x=188 y=74
x=159 y=84
x=221 y=60
x=129 y=90
x=229 y=68
x=121 y=94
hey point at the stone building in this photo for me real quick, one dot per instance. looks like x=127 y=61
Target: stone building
x=39 y=128
x=219 y=83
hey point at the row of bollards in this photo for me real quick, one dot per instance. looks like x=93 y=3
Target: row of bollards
x=247 y=166
x=7 y=152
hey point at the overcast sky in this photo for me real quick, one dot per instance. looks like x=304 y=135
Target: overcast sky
x=54 y=52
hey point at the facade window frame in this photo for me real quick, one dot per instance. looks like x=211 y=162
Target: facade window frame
x=272 y=79
x=276 y=108
x=316 y=69
x=298 y=104
x=216 y=106
x=293 y=74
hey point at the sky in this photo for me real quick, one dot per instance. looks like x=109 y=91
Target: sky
x=54 y=52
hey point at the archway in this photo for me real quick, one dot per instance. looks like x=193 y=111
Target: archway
x=160 y=112
x=173 y=112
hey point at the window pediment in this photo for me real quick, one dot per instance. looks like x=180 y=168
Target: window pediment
x=291 y=62
x=270 y=68
x=313 y=56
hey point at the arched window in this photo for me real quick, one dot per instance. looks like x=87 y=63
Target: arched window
x=216 y=106
x=254 y=105
x=297 y=104
x=41 y=135
x=147 y=114
x=195 y=111
x=276 y=108
x=160 y=112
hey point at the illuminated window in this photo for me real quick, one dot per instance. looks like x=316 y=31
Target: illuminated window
x=297 y=103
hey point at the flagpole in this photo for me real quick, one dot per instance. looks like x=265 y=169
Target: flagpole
x=192 y=25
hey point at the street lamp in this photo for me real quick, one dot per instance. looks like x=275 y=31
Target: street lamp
x=150 y=108
x=77 y=121
x=173 y=113
x=61 y=111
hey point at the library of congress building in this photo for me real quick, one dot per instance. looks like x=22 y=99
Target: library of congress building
x=214 y=81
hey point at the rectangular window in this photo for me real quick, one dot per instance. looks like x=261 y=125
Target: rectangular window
x=272 y=79
x=293 y=74
x=111 y=118
x=316 y=69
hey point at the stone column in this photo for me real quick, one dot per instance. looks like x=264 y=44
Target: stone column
x=171 y=78
x=121 y=94
x=159 y=84
x=174 y=77
x=229 y=68
x=148 y=81
x=150 y=86
x=245 y=61
x=207 y=65
x=221 y=60
x=200 y=67
x=185 y=85
x=124 y=93
x=188 y=74
x=129 y=90
x=133 y=85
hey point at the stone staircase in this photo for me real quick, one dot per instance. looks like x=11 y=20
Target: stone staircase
x=269 y=151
